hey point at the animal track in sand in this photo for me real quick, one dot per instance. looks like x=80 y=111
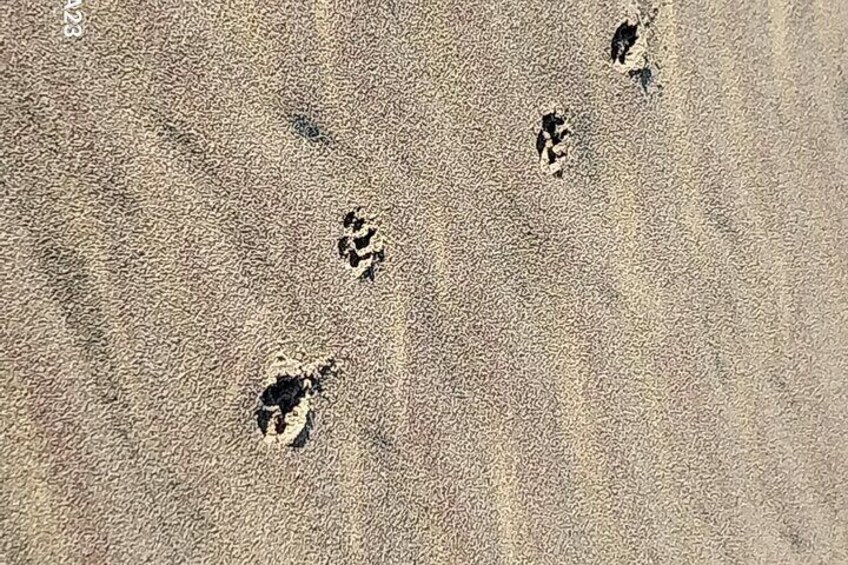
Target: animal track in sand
x=629 y=51
x=555 y=142
x=285 y=414
x=361 y=245
x=306 y=128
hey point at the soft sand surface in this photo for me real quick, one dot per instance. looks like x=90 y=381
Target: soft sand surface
x=641 y=362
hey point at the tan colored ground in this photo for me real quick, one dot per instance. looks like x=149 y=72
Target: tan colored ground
x=645 y=361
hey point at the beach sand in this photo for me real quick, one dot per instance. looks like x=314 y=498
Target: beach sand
x=643 y=360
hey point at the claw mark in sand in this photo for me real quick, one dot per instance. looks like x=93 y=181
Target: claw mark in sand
x=285 y=414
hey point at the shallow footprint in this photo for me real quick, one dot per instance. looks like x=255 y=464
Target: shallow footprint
x=306 y=128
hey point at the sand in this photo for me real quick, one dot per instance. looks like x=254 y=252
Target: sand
x=644 y=360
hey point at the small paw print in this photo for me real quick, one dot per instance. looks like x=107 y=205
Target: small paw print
x=306 y=128
x=554 y=143
x=285 y=414
x=361 y=246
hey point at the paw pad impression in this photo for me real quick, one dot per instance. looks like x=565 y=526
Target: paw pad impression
x=554 y=143
x=285 y=414
x=361 y=246
x=628 y=47
x=629 y=50
x=306 y=128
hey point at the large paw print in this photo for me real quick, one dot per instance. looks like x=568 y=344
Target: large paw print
x=554 y=143
x=629 y=50
x=628 y=47
x=361 y=246
x=285 y=414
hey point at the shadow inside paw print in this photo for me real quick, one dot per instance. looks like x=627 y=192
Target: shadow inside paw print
x=554 y=143
x=623 y=40
x=361 y=245
x=285 y=414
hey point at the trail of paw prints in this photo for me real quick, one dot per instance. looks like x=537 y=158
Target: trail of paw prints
x=555 y=142
x=630 y=51
x=285 y=414
x=361 y=246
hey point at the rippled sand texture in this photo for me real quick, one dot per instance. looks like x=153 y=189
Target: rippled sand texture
x=643 y=361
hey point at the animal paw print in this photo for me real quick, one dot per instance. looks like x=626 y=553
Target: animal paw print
x=307 y=129
x=629 y=50
x=361 y=246
x=285 y=412
x=554 y=143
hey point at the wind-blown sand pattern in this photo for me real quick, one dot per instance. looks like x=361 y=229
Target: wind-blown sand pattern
x=642 y=361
